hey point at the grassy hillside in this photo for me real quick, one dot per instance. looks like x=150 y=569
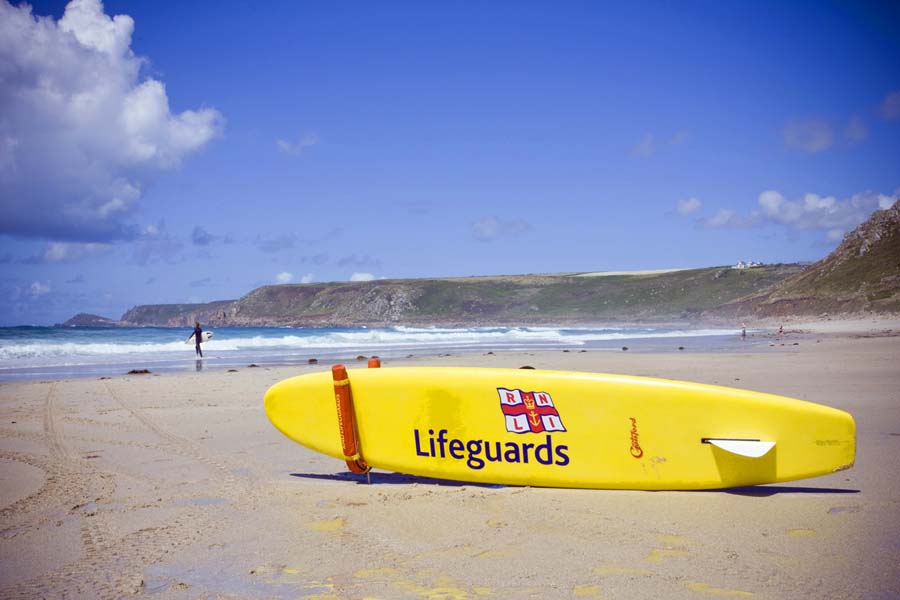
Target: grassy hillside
x=513 y=299
x=177 y=315
x=861 y=275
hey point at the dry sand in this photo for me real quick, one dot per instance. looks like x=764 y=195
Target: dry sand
x=176 y=486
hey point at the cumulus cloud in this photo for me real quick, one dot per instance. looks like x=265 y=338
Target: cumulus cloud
x=811 y=135
x=688 y=206
x=82 y=131
x=296 y=147
x=821 y=212
x=38 y=288
x=493 y=228
x=890 y=106
x=284 y=277
x=308 y=278
x=155 y=244
x=67 y=252
x=831 y=215
x=362 y=277
x=728 y=218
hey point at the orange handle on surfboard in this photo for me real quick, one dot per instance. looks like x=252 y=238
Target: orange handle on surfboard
x=347 y=421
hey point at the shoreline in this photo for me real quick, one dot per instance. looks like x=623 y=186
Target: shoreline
x=177 y=486
x=759 y=337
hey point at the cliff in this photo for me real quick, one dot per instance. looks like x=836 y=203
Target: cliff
x=862 y=275
x=89 y=320
x=521 y=299
x=178 y=315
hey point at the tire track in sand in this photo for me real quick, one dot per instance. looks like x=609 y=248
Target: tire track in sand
x=111 y=566
x=71 y=482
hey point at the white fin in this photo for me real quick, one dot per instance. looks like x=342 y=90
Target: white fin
x=748 y=448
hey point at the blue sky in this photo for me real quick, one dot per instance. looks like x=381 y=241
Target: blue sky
x=156 y=152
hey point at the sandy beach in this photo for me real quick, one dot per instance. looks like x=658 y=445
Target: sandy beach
x=177 y=486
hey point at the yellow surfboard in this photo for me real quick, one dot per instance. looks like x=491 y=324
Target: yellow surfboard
x=561 y=429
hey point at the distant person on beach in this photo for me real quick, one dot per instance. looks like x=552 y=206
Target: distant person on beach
x=743 y=331
x=198 y=335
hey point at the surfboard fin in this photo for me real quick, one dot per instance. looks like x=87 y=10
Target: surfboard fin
x=741 y=447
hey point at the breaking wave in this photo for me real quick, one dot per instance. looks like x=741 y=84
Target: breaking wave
x=33 y=347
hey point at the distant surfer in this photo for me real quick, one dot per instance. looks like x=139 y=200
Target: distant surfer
x=198 y=335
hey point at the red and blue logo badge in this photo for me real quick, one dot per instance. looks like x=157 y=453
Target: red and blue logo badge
x=529 y=412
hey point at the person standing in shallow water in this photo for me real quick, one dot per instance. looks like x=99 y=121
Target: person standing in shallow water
x=198 y=335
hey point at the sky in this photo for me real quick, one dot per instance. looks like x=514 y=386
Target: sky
x=167 y=152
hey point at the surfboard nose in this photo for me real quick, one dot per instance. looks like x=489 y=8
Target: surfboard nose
x=303 y=409
x=273 y=403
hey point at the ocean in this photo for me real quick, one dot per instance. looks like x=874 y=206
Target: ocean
x=60 y=352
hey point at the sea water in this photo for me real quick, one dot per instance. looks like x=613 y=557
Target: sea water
x=61 y=352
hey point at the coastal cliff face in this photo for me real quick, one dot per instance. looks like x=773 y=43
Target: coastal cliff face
x=89 y=320
x=861 y=275
x=521 y=299
x=178 y=315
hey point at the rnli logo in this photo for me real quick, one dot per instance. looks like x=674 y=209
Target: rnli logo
x=529 y=412
x=524 y=412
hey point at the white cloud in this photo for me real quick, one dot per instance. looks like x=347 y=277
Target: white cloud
x=819 y=212
x=492 y=228
x=828 y=214
x=727 y=218
x=284 y=277
x=362 y=277
x=65 y=252
x=82 y=130
x=809 y=136
x=38 y=288
x=308 y=278
x=686 y=207
x=156 y=244
x=890 y=106
x=306 y=141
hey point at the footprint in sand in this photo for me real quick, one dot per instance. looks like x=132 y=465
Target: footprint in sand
x=801 y=532
x=334 y=524
x=705 y=588
x=586 y=591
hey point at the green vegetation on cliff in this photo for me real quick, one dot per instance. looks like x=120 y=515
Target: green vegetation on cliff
x=562 y=298
x=861 y=275
x=177 y=315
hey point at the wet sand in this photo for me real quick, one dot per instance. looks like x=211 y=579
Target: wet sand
x=177 y=486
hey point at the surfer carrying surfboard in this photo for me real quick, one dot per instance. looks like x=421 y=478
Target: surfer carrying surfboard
x=198 y=336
